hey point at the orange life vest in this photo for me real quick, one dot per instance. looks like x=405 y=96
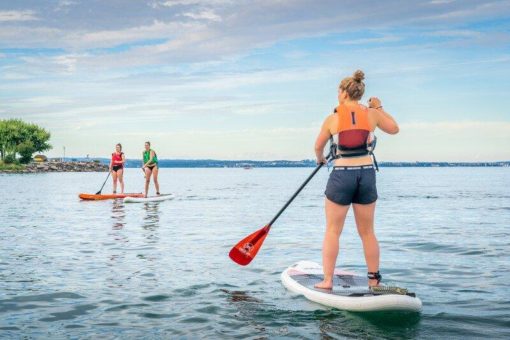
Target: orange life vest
x=353 y=131
x=355 y=137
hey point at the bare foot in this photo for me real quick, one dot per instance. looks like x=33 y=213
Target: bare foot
x=325 y=284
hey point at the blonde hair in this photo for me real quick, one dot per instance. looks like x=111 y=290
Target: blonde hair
x=354 y=86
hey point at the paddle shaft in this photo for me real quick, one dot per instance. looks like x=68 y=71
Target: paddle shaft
x=295 y=194
x=99 y=192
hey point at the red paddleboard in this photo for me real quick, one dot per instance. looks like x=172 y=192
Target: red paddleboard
x=94 y=197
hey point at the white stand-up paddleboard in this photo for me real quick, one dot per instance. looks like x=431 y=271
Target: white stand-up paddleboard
x=350 y=292
x=148 y=199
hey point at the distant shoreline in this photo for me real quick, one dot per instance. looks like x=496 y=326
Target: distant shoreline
x=101 y=165
x=211 y=163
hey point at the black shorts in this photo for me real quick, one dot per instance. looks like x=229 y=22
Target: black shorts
x=352 y=184
x=117 y=167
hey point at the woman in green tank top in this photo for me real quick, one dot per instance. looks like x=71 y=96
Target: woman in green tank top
x=150 y=167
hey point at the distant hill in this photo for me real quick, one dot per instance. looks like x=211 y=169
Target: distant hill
x=212 y=163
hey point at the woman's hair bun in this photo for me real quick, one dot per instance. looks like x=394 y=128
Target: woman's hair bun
x=358 y=76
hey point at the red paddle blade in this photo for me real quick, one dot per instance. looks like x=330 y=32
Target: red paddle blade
x=246 y=249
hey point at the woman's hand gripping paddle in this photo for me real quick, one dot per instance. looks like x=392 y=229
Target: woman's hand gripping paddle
x=246 y=249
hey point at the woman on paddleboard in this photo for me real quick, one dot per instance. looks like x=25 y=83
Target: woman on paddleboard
x=150 y=167
x=117 y=168
x=352 y=180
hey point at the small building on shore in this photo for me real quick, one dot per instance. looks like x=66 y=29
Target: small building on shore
x=40 y=158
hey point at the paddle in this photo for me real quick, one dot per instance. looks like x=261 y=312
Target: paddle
x=246 y=249
x=99 y=192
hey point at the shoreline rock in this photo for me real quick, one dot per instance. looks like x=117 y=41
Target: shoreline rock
x=55 y=166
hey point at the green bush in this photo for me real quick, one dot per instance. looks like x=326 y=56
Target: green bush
x=11 y=167
x=11 y=159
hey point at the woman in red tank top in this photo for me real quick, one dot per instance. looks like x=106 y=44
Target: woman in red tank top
x=117 y=168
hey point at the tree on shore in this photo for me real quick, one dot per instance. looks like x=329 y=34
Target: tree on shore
x=20 y=138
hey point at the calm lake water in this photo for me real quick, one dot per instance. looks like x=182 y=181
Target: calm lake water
x=107 y=270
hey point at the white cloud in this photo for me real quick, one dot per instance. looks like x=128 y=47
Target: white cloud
x=63 y=5
x=41 y=101
x=378 y=40
x=203 y=15
x=17 y=16
x=157 y=29
x=172 y=3
x=441 y=2
x=68 y=62
x=463 y=12
x=456 y=33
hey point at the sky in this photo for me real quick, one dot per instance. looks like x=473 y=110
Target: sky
x=235 y=79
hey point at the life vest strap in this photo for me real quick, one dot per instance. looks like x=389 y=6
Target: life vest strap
x=337 y=153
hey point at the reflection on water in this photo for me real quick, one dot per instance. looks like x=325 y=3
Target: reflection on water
x=118 y=214
x=151 y=219
x=239 y=296
x=328 y=323
x=364 y=325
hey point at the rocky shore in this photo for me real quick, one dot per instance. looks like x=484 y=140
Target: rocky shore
x=54 y=166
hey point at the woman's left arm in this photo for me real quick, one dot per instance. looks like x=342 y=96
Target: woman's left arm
x=123 y=159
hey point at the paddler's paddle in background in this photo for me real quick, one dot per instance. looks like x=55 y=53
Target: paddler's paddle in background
x=246 y=249
x=99 y=192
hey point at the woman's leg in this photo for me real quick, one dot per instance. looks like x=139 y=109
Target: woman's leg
x=364 y=215
x=120 y=174
x=155 y=176
x=335 y=218
x=148 y=173
x=114 y=178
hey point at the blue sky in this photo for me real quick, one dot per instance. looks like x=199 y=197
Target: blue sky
x=231 y=79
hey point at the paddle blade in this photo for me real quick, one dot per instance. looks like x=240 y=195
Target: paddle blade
x=246 y=249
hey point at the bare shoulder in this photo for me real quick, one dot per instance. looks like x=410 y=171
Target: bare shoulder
x=330 y=123
x=331 y=117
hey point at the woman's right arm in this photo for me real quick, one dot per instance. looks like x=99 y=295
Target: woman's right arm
x=111 y=164
x=384 y=120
